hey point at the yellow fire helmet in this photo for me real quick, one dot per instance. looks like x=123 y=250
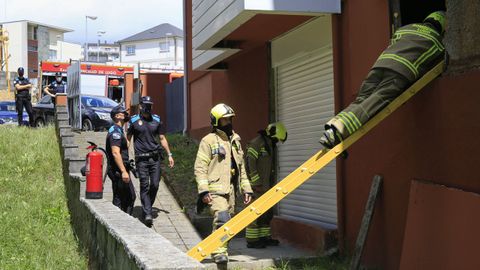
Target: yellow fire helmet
x=220 y=111
x=277 y=130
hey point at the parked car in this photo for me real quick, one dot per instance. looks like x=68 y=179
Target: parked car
x=95 y=112
x=8 y=113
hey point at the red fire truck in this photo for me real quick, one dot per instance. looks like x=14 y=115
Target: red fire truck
x=107 y=80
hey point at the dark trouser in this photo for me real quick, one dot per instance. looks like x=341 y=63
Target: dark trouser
x=24 y=101
x=380 y=88
x=123 y=193
x=149 y=173
x=259 y=228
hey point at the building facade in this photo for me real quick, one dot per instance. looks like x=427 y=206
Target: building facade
x=103 y=52
x=160 y=47
x=32 y=42
x=301 y=62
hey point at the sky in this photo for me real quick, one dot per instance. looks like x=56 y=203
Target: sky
x=118 y=18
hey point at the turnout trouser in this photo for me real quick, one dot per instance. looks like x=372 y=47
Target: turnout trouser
x=123 y=193
x=149 y=173
x=222 y=208
x=259 y=228
x=380 y=88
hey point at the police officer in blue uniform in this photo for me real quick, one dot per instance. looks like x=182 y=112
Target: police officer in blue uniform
x=23 y=99
x=118 y=165
x=146 y=128
x=57 y=86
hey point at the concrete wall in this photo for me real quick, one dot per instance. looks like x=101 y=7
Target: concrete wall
x=45 y=39
x=113 y=239
x=462 y=38
x=17 y=46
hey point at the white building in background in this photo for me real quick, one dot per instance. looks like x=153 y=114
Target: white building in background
x=103 y=52
x=32 y=42
x=65 y=51
x=160 y=47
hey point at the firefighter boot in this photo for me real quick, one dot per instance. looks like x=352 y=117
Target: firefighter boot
x=220 y=258
x=256 y=244
x=330 y=137
x=268 y=241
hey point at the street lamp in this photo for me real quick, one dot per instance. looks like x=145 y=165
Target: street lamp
x=99 y=34
x=86 y=34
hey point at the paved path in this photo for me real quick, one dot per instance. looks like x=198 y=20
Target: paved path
x=171 y=222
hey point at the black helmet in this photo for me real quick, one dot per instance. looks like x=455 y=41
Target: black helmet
x=118 y=109
x=146 y=100
x=21 y=71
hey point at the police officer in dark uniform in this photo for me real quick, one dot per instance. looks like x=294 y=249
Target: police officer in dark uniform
x=57 y=86
x=149 y=138
x=118 y=165
x=23 y=99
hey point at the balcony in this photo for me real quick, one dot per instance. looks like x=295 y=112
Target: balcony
x=225 y=27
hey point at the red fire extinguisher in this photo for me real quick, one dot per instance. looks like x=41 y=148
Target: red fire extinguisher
x=93 y=172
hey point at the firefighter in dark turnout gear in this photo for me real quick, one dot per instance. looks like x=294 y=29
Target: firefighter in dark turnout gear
x=146 y=128
x=414 y=50
x=118 y=163
x=23 y=98
x=261 y=172
x=57 y=86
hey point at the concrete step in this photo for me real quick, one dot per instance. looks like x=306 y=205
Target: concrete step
x=75 y=164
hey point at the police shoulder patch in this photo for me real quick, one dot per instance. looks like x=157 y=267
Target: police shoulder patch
x=156 y=118
x=111 y=129
x=134 y=118
x=116 y=136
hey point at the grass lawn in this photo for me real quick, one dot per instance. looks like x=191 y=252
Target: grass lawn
x=181 y=177
x=34 y=220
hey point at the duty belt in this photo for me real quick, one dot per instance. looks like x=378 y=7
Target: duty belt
x=155 y=153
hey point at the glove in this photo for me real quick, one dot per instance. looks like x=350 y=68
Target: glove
x=200 y=204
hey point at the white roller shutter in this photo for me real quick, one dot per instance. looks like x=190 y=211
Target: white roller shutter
x=305 y=103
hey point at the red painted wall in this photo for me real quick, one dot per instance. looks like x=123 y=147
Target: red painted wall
x=431 y=137
x=153 y=86
x=243 y=86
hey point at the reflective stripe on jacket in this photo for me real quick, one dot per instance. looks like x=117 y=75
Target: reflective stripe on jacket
x=259 y=159
x=213 y=172
x=414 y=50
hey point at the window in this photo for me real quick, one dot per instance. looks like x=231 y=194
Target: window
x=131 y=50
x=164 y=46
x=52 y=55
x=405 y=12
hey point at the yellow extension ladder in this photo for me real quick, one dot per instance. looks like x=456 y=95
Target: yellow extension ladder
x=301 y=174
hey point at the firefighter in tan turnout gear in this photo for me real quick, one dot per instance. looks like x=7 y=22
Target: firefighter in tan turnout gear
x=220 y=171
x=261 y=172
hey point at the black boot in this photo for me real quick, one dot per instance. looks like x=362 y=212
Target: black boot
x=256 y=244
x=268 y=241
x=330 y=138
